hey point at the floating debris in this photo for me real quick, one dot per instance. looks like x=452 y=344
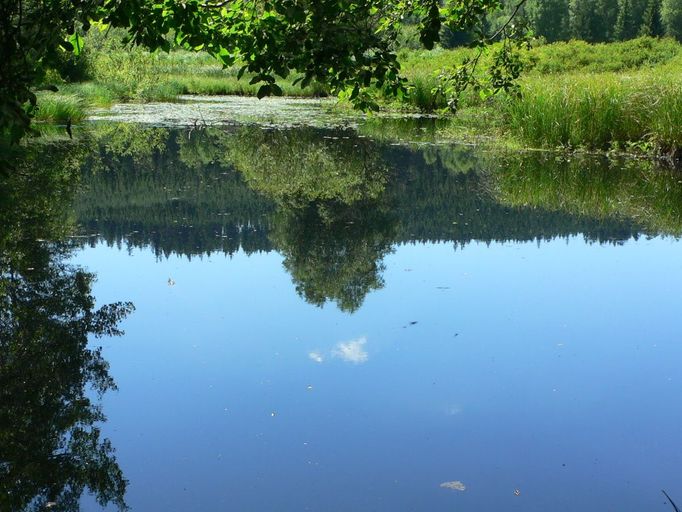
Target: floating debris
x=671 y=501
x=455 y=485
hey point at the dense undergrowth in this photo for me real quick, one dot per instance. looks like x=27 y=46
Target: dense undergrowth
x=623 y=96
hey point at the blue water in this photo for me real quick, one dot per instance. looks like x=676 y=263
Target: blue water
x=551 y=369
x=328 y=322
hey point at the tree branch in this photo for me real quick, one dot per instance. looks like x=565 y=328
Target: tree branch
x=517 y=8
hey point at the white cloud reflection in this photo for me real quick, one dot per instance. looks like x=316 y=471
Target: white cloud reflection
x=352 y=351
x=455 y=485
x=316 y=356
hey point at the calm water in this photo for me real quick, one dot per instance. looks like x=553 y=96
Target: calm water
x=324 y=321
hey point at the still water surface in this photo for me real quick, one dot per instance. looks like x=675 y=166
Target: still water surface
x=324 y=321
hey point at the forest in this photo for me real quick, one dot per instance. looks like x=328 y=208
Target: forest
x=597 y=21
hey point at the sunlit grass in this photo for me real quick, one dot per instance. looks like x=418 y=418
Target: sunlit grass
x=60 y=108
x=599 y=111
x=617 y=96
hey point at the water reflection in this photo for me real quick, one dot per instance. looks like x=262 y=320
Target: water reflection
x=352 y=351
x=337 y=260
x=51 y=449
x=482 y=370
x=335 y=203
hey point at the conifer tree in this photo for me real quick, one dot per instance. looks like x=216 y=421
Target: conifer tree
x=625 y=23
x=652 y=24
x=592 y=20
x=549 y=18
x=671 y=15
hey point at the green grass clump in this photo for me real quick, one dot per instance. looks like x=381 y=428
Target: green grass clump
x=599 y=111
x=167 y=91
x=59 y=108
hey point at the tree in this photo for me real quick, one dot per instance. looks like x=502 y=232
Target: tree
x=580 y=20
x=652 y=25
x=592 y=20
x=549 y=18
x=625 y=22
x=346 y=44
x=671 y=15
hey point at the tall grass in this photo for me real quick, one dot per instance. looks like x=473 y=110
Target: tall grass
x=599 y=111
x=59 y=108
x=136 y=75
x=421 y=67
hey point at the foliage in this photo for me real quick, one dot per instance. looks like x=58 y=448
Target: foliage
x=652 y=24
x=549 y=18
x=597 y=20
x=348 y=45
x=51 y=448
x=671 y=15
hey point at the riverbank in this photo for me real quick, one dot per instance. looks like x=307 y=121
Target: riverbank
x=617 y=97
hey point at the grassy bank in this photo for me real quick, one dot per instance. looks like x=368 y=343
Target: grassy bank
x=612 y=97
x=640 y=112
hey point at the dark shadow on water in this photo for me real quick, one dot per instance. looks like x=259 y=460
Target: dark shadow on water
x=51 y=447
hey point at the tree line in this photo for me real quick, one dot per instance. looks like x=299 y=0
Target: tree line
x=604 y=20
x=594 y=21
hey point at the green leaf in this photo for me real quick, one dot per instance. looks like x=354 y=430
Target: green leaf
x=76 y=42
x=264 y=90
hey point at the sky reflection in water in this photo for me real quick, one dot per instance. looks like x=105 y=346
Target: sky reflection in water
x=551 y=370
x=438 y=330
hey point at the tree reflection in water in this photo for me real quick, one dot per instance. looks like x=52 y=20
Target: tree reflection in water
x=332 y=224
x=339 y=260
x=51 y=447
